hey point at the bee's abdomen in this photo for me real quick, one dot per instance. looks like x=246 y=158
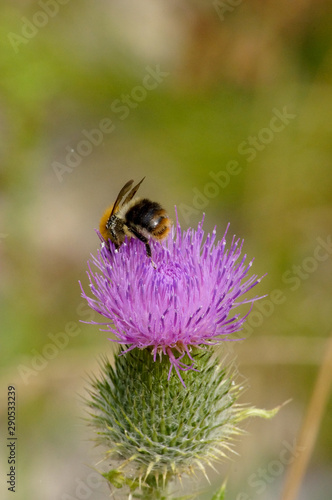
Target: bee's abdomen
x=150 y=216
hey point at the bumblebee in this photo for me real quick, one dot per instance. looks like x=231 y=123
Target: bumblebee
x=141 y=218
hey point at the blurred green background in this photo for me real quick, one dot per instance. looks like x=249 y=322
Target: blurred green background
x=95 y=93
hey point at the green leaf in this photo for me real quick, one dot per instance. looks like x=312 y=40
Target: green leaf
x=220 y=494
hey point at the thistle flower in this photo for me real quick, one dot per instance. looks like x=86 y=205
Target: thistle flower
x=153 y=428
x=186 y=302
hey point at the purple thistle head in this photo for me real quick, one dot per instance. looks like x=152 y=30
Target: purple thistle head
x=187 y=301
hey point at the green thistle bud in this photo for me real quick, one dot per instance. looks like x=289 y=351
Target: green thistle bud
x=155 y=429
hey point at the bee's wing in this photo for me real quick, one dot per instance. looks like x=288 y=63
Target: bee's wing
x=133 y=192
x=123 y=191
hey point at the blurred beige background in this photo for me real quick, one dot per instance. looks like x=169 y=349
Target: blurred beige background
x=225 y=107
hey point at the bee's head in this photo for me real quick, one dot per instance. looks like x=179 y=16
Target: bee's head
x=115 y=230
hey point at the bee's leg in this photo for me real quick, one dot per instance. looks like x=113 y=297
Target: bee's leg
x=143 y=239
x=148 y=253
